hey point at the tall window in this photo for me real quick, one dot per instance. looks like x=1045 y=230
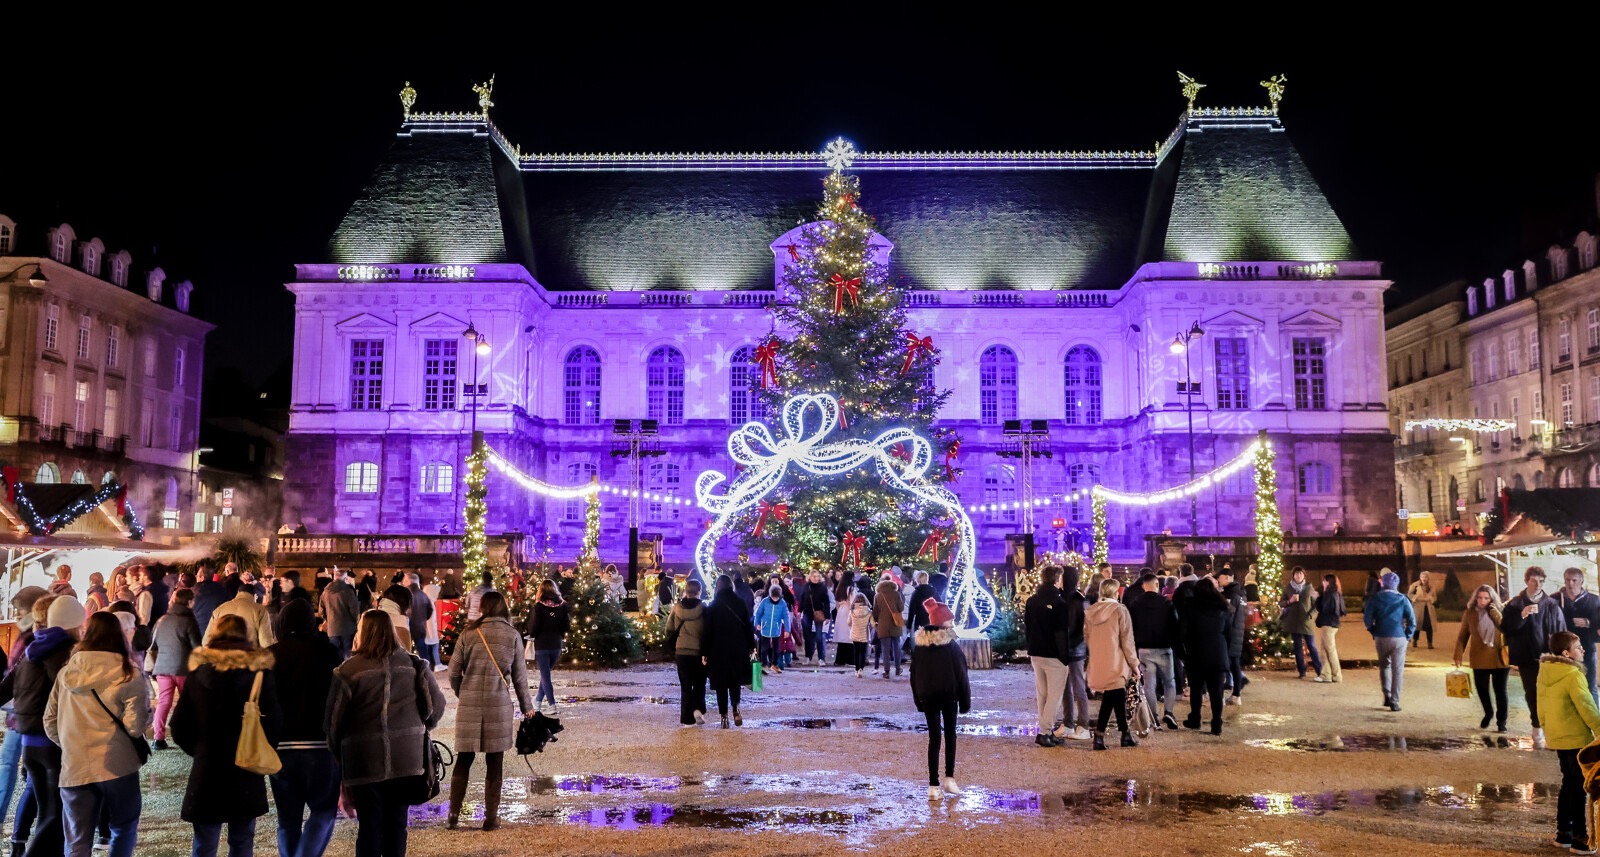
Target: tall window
x=1533 y=349
x=80 y=405
x=48 y=474
x=997 y=386
x=1000 y=487
x=147 y=424
x=1566 y=477
x=1516 y=416
x=52 y=326
x=47 y=399
x=1233 y=374
x=111 y=415
x=1083 y=386
x=80 y=478
x=1475 y=367
x=662 y=478
x=175 y=428
x=361 y=477
x=1566 y=405
x=1316 y=478
x=581 y=393
x=5 y=239
x=177 y=367
x=1538 y=405
x=150 y=357
x=1594 y=398
x=664 y=386
x=85 y=327
x=1594 y=330
x=744 y=387
x=366 y=374
x=439 y=375
x=1513 y=354
x=438 y=479
x=1082 y=477
x=1494 y=362
x=113 y=345
x=1310 y=374
x=1563 y=340
x=578 y=474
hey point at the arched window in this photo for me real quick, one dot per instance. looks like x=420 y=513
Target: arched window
x=1082 y=477
x=1538 y=479
x=5 y=239
x=997 y=385
x=48 y=474
x=662 y=480
x=1517 y=484
x=1316 y=478
x=1566 y=477
x=664 y=386
x=80 y=478
x=581 y=390
x=438 y=478
x=579 y=473
x=1000 y=490
x=361 y=477
x=744 y=388
x=1083 y=386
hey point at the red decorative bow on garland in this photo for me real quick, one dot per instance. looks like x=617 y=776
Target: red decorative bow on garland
x=915 y=346
x=930 y=545
x=10 y=474
x=843 y=423
x=852 y=548
x=848 y=199
x=767 y=359
x=899 y=451
x=949 y=459
x=122 y=502
x=780 y=513
x=794 y=251
x=840 y=287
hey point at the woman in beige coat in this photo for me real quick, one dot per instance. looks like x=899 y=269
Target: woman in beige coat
x=1485 y=647
x=1112 y=660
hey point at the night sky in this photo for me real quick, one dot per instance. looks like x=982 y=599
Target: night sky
x=226 y=164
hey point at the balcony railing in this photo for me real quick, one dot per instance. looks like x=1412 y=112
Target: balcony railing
x=450 y=545
x=1415 y=450
x=30 y=430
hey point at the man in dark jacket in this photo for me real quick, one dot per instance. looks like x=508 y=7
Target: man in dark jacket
x=1580 y=609
x=1155 y=635
x=1528 y=620
x=1044 y=622
x=746 y=592
x=303 y=665
x=209 y=594
x=1075 y=714
x=41 y=757
x=340 y=611
x=421 y=612
x=920 y=594
x=1237 y=630
x=160 y=593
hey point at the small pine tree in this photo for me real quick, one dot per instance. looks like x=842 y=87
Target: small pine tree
x=1006 y=636
x=602 y=635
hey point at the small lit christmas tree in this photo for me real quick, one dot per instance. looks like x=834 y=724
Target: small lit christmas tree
x=589 y=554
x=474 y=547
x=601 y=635
x=1267 y=640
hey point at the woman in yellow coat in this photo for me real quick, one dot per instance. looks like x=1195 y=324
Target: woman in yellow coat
x=1571 y=720
x=1485 y=647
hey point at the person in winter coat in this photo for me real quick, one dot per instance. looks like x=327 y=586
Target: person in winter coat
x=1113 y=659
x=815 y=608
x=548 y=626
x=176 y=635
x=685 y=628
x=383 y=703
x=844 y=590
x=1300 y=620
x=96 y=598
x=1205 y=650
x=888 y=619
x=1391 y=623
x=1075 y=715
x=35 y=677
x=860 y=629
x=1238 y=630
x=1423 y=598
x=1155 y=635
x=726 y=645
x=918 y=618
x=1580 y=609
x=62 y=585
x=421 y=614
x=1571 y=722
x=1045 y=626
x=209 y=594
x=396 y=601
x=97 y=706
x=488 y=661
x=206 y=725
x=940 y=689
x=1330 y=612
x=306 y=790
x=1484 y=645
x=475 y=596
x=340 y=611
x=772 y=622
x=1528 y=621
x=11 y=751
x=255 y=617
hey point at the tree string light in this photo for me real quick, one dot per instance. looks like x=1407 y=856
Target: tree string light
x=1488 y=426
x=474 y=547
x=1179 y=492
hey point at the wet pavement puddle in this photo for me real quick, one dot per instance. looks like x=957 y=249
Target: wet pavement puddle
x=621 y=700
x=1393 y=743
x=885 y=724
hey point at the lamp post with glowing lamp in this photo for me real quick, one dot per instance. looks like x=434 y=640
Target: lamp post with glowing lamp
x=1181 y=344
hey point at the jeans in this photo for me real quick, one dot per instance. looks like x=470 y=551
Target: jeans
x=891 y=655
x=306 y=794
x=1328 y=644
x=241 y=838
x=167 y=689
x=1529 y=673
x=691 y=688
x=1591 y=656
x=429 y=652
x=1236 y=672
x=1570 y=807
x=118 y=799
x=43 y=765
x=1391 y=666
x=769 y=651
x=380 y=818
x=343 y=642
x=10 y=761
x=1483 y=679
x=1157 y=664
x=1300 y=656
x=937 y=712
x=1115 y=700
x=814 y=639
x=1049 y=682
x=1075 y=698
x=545 y=660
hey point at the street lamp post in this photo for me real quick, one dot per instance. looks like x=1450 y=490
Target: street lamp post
x=638 y=435
x=1181 y=344
x=479 y=345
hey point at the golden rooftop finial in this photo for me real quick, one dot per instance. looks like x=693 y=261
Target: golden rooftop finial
x=484 y=90
x=1274 y=87
x=408 y=97
x=1191 y=87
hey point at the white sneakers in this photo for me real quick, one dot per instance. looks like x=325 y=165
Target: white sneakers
x=950 y=786
x=1320 y=680
x=934 y=794
x=859 y=674
x=699 y=718
x=1233 y=700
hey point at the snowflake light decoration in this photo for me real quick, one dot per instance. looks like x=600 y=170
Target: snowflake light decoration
x=839 y=155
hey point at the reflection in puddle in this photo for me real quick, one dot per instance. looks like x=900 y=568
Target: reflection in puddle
x=1275 y=849
x=1398 y=743
x=652 y=700
x=1167 y=801
x=885 y=724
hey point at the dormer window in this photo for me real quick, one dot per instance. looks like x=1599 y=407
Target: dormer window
x=60 y=251
x=180 y=295
x=1558 y=264
x=152 y=285
x=1586 y=244
x=1509 y=283
x=93 y=252
x=1530 y=276
x=5 y=239
x=1472 y=301
x=1488 y=293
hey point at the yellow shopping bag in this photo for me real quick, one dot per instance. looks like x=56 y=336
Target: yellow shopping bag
x=1457 y=685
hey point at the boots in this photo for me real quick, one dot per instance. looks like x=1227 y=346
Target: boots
x=1099 y=740
x=1216 y=727
x=1128 y=741
x=491 y=804
x=458 y=793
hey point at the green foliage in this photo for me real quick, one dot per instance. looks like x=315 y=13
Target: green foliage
x=1451 y=595
x=602 y=635
x=1005 y=633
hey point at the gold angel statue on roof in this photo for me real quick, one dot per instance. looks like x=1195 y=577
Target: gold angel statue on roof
x=408 y=97
x=1274 y=87
x=484 y=90
x=1191 y=87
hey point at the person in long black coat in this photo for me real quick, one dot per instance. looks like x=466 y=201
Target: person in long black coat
x=1205 y=619
x=727 y=644
x=1237 y=630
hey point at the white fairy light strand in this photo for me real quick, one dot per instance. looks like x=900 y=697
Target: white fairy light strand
x=537 y=486
x=1187 y=489
x=1489 y=426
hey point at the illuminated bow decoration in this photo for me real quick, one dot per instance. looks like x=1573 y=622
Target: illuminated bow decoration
x=915 y=346
x=767 y=359
x=848 y=199
x=794 y=251
x=949 y=460
x=779 y=512
x=852 y=548
x=840 y=287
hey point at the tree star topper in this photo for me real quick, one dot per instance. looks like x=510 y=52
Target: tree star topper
x=839 y=155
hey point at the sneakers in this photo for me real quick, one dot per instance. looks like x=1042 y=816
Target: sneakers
x=934 y=794
x=1079 y=733
x=160 y=744
x=738 y=719
x=1169 y=722
x=1581 y=848
x=699 y=718
x=1320 y=680
x=950 y=786
x=1233 y=700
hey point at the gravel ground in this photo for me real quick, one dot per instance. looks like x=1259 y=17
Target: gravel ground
x=827 y=762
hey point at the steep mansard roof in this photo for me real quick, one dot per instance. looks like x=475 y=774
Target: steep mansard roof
x=1226 y=187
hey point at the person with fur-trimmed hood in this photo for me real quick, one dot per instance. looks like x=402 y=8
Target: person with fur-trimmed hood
x=206 y=725
x=939 y=688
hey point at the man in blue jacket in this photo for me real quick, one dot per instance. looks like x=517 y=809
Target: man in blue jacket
x=1392 y=622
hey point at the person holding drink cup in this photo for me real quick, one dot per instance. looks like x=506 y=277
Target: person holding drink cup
x=1528 y=621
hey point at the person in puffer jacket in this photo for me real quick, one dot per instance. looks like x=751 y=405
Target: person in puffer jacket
x=1571 y=720
x=36 y=675
x=302 y=671
x=939 y=688
x=772 y=622
x=99 y=761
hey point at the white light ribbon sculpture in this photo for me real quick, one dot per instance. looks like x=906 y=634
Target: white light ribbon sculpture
x=807 y=419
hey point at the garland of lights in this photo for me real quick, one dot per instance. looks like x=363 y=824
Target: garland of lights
x=1488 y=426
x=1187 y=489
x=538 y=486
x=1102 y=550
x=40 y=525
x=474 y=554
x=1269 y=529
x=765 y=461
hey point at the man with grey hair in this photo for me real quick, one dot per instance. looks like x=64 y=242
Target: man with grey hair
x=919 y=614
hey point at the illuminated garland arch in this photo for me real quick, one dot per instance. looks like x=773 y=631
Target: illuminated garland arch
x=806 y=420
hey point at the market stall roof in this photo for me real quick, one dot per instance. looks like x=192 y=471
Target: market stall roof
x=11 y=541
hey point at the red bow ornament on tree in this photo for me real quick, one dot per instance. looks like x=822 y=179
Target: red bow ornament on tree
x=847 y=200
x=840 y=287
x=852 y=548
x=914 y=347
x=930 y=545
x=767 y=359
x=779 y=512
x=899 y=451
x=794 y=252
x=949 y=460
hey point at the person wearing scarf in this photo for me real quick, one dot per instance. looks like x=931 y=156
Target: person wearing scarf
x=1484 y=645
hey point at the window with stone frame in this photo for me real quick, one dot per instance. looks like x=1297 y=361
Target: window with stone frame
x=1081 y=478
x=113 y=346
x=1316 y=477
x=1233 y=373
x=581 y=387
x=439 y=374
x=366 y=374
x=112 y=416
x=1566 y=406
x=5 y=239
x=52 y=326
x=744 y=388
x=662 y=478
x=85 y=335
x=438 y=478
x=1513 y=355
x=1082 y=372
x=578 y=473
x=1310 y=373
x=664 y=386
x=997 y=385
x=1000 y=492
x=1564 y=341
x=361 y=477
x=1593 y=323
x=47 y=399
x=1533 y=349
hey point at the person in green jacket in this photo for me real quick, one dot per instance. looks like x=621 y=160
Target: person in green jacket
x=1571 y=721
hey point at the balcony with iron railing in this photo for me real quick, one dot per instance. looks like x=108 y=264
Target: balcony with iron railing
x=30 y=430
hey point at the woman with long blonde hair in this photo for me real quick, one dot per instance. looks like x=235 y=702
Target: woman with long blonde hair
x=1485 y=647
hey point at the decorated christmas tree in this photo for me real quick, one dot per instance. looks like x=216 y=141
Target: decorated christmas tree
x=601 y=635
x=1268 y=639
x=841 y=329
